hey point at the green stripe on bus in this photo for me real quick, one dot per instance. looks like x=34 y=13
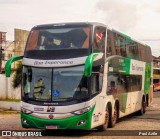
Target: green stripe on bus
x=126 y=66
x=120 y=65
x=147 y=78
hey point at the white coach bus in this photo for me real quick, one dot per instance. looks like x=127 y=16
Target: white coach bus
x=82 y=76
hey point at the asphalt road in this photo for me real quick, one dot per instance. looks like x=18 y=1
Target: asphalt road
x=147 y=125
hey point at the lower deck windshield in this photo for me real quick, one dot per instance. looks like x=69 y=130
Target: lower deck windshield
x=54 y=84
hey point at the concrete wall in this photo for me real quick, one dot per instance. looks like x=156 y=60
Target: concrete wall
x=10 y=105
x=12 y=93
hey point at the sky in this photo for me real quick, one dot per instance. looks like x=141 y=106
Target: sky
x=139 y=19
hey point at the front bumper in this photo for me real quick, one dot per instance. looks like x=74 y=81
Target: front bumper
x=73 y=122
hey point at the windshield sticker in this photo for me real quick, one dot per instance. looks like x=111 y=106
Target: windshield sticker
x=56 y=93
x=99 y=36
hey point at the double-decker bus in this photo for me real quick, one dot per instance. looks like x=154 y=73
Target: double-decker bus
x=82 y=76
x=156 y=79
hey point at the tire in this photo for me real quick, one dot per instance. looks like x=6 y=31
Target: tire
x=105 y=125
x=143 y=107
x=147 y=101
x=113 y=119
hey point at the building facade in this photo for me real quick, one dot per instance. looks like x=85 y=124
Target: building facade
x=156 y=62
x=9 y=49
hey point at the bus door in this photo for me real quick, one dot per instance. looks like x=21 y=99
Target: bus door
x=99 y=98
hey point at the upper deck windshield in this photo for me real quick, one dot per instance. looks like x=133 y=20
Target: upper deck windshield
x=54 y=38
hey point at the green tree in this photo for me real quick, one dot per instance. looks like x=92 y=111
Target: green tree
x=17 y=77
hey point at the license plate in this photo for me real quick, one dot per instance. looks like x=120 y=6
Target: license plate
x=51 y=127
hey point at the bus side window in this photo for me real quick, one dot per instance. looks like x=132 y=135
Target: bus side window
x=95 y=84
x=100 y=81
x=99 y=39
x=127 y=83
x=113 y=86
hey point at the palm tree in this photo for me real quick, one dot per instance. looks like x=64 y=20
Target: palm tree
x=17 y=77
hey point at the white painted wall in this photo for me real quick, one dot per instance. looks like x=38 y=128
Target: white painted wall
x=12 y=93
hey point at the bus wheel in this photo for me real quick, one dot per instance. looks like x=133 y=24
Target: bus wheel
x=143 y=107
x=113 y=119
x=105 y=125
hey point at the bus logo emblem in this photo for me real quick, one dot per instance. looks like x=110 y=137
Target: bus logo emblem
x=51 y=116
x=50 y=109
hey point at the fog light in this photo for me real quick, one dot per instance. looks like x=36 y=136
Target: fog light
x=25 y=121
x=81 y=122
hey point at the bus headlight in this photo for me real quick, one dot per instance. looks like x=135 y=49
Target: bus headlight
x=81 y=111
x=26 y=111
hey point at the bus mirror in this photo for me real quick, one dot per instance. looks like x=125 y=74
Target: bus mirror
x=89 y=64
x=9 y=63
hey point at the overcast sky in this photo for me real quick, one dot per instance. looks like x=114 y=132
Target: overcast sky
x=139 y=19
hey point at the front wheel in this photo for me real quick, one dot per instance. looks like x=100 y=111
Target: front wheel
x=105 y=125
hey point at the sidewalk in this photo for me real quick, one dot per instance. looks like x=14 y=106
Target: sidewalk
x=6 y=111
x=9 y=105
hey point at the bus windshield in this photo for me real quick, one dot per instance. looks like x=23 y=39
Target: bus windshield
x=54 y=84
x=58 y=38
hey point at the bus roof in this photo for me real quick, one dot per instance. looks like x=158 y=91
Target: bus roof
x=69 y=24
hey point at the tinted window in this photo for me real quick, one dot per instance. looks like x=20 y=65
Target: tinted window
x=120 y=83
x=99 y=39
x=59 y=38
x=123 y=45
